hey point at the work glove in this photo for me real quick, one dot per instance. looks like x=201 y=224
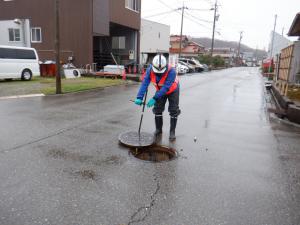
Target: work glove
x=138 y=101
x=151 y=102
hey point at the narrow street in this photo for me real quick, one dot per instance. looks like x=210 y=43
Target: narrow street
x=60 y=161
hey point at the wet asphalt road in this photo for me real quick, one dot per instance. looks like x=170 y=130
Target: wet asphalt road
x=60 y=162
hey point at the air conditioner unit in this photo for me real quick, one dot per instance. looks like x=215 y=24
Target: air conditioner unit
x=72 y=73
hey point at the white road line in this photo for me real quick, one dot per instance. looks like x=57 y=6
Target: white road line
x=21 y=96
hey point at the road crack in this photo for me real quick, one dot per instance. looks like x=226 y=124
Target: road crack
x=142 y=213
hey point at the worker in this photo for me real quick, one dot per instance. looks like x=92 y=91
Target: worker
x=165 y=80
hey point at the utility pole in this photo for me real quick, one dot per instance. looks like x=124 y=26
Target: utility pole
x=180 y=43
x=57 y=48
x=272 y=44
x=239 y=47
x=256 y=55
x=214 y=27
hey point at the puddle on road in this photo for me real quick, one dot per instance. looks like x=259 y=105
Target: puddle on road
x=87 y=174
x=83 y=173
x=156 y=153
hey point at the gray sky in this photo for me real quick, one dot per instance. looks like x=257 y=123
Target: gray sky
x=254 y=17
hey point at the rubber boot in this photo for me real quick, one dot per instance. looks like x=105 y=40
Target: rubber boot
x=158 y=125
x=173 y=122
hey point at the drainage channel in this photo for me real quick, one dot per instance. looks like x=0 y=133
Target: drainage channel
x=155 y=153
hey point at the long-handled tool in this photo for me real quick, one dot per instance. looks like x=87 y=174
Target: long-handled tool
x=137 y=139
x=143 y=110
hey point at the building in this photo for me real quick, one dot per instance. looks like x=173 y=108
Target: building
x=288 y=61
x=155 y=38
x=279 y=42
x=295 y=27
x=294 y=31
x=228 y=54
x=188 y=48
x=90 y=30
x=249 y=58
x=17 y=33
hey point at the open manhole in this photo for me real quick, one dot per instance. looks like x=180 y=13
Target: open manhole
x=155 y=153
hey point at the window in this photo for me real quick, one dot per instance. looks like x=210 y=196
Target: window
x=7 y=53
x=36 y=34
x=14 y=34
x=25 y=54
x=118 y=42
x=10 y=53
x=132 y=4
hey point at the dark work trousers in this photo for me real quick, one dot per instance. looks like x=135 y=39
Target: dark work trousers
x=173 y=99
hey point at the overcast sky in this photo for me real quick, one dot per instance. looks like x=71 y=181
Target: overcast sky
x=254 y=17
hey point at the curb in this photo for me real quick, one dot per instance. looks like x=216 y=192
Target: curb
x=88 y=90
x=276 y=119
x=21 y=96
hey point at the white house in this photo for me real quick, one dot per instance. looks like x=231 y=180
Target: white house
x=15 y=32
x=155 y=38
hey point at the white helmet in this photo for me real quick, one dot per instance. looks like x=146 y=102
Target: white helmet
x=159 y=64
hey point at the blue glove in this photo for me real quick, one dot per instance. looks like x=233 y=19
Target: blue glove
x=151 y=102
x=138 y=101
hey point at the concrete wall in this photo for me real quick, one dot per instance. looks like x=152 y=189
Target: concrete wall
x=24 y=28
x=155 y=37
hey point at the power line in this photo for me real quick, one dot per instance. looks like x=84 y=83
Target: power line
x=202 y=9
x=195 y=21
x=202 y=20
x=164 y=4
x=162 y=13
x=187 y=17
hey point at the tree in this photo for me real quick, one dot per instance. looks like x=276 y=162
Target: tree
x=218 y=61
x=205 y=59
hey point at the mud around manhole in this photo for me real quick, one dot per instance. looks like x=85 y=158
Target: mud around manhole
x=154 y=153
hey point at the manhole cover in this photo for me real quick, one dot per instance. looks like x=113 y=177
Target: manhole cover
x=154 y=153
x=134 y=139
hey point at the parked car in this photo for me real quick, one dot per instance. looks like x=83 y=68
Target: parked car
x=191 y=68
x=195 y=63
x=18 y=62
x=206 y=67
x=181 y=69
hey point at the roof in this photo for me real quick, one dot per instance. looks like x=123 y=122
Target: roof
x=192 y=47
x=192 y=43
x=154 y=22
x=295 y=27
x=176 y=38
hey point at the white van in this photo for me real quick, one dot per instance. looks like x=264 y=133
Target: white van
x=18 y=62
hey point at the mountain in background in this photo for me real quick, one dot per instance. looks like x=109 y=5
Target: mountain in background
x=206 y=42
